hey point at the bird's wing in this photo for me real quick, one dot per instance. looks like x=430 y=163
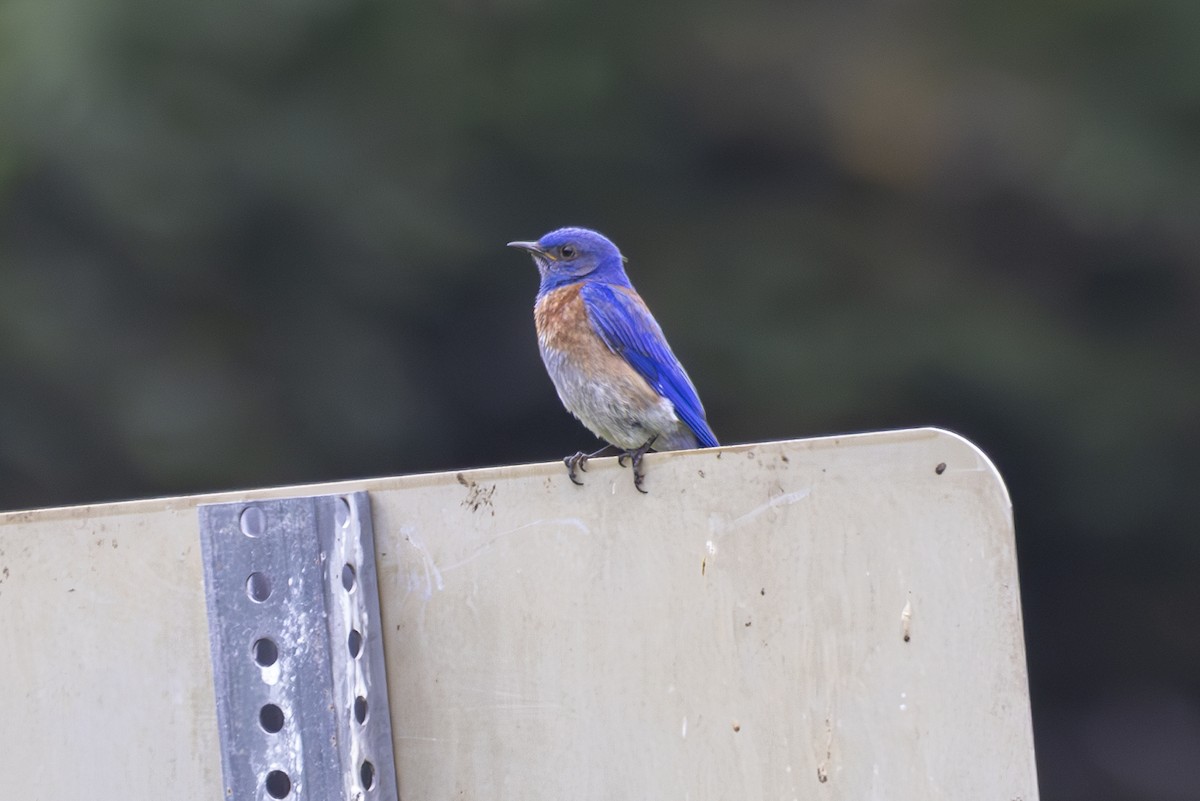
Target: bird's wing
x=625 y=324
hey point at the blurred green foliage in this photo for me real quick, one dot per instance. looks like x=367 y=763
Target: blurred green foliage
x=247 y=244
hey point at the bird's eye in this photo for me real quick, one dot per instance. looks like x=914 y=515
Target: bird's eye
x=567 y=252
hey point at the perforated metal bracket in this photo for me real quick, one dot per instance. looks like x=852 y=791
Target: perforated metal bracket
x=293 y=619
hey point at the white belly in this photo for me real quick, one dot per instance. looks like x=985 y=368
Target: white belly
x=617 y=406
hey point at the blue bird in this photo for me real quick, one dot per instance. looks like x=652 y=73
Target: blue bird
x=606 y=354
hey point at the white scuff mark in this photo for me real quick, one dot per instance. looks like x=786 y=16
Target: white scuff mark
x=569 y=522
x=786 y=499
x=710 y=549
x=433 y=576
x=906 y=620
x=684 y=732
x=491 y=691
x=531 y=706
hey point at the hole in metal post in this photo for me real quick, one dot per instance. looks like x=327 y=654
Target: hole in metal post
x=341 y=512
x=279 y=784
x=349 y=577
x=360 y=709
x=258 y=587
x=354 y=642
x=270 y=717
x=265 y=652
x=367 y=774
x=253 y=521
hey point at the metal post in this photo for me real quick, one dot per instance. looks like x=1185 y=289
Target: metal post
x=293 y=612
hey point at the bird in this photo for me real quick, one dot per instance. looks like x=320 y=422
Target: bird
x=607 y=356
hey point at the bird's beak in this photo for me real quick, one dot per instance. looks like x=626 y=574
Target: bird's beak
x=532 y=247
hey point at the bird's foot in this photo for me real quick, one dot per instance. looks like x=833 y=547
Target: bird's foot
x=635 y=459
x=578 y=461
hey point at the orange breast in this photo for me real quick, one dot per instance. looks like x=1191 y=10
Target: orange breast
x=562 y=321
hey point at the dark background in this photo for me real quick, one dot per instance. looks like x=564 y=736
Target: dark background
x=254 y=243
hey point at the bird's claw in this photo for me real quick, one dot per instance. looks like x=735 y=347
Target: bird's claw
x=635 y=459
x=578 y=460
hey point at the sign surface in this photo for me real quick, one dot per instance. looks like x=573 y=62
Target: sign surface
x=834 y=618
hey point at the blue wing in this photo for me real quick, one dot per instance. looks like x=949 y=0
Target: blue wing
x=627 y=328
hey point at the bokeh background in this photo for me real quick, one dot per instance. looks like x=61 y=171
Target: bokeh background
x=253 y=243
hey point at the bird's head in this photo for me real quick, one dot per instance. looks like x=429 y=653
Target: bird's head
x=572 y=254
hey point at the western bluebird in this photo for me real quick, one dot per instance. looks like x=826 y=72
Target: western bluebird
x=606 y=354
